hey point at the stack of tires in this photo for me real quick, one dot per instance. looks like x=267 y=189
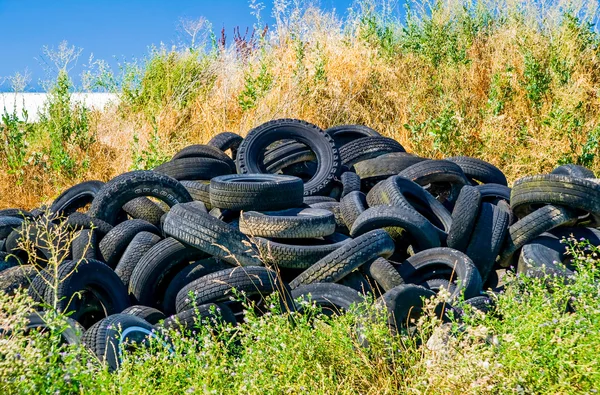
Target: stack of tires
x=296 y=211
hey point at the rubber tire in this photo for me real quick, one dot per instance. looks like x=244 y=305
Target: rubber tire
x=194 y=168
x=78 y=221
x=301 y=223
x=343 y=134
x=352 y=206
x=156 y=269
x=137 y=248
x=347 y=258
x=217 y=286
x=492 y=192
x=479 y=170
x=205 y=151
x=403 y=304
x=421 y=233
x=85 y=245
x=574 y=171
x=206 y=233
x=226 y=141
x=350 y=183
x=8 y=225
x=250 y=152
x=75 y=198
x=258 y=192
x=488 y=237
x=292 y=256
x=116 y=241
x=128 y=186
x=383 y=272
x=199 y=317
x=464 y=217
x=106 y=336
x=188 y=274
x=148 y=314
x=70 y=334
x=144 y=209
x=200 y=191
x=333 y=299
x=464 y=270
x=367 y=148
x=94 y=277
x=577 y=193
x=16 y=277
x=531 y=226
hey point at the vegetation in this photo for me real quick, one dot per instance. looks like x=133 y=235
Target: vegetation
x=515 y=84
x=540 y=338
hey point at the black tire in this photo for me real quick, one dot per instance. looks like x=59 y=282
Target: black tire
x=78 y=221
x=436 y=285
x=16 y=277
x=148 y=314
x=188 y=274
x=367 y=148
x=464 y=272
x=250 y=152
x=88 y=291
x=464 y=216
x=200 y=191
x=421 y=234
x=348 y=257
x=438 y=173
x=207 y=314
x=532 y=191
x=574 y=171
x=16 y=213
x=226 y=141
x=144 y=209
x=137 y=248
x=404 y=304
x=378 y=169
x=206 y=233
x=156 y=269
x=295 y=256
x=310 y=200
x=85 y=245
x=479 y=170
x=194 y=168
x=332 y=299
x=217 y=286
x=400 y=191
x=493 y=192
x=351 y=206
x=8 y=225
x=257 y=192
x=205 y=151
x=116 y=241
x=343 y=134
x=383 y=272
x=286 y=155
x=531 y=226
x=128 y=186
x=108 y=337
x=488 y=237
x=481 y=303
x=71 y=333
x=75 y=198
x=301 y=223
x=350 y=183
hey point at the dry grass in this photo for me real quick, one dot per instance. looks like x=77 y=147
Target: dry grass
x=516 y=84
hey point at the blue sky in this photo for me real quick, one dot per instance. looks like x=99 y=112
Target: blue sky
x=110 y=29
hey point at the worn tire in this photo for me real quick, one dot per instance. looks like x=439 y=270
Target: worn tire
x=479 y=170
x=464 y=216
x=226 y=141
x=128 y=186
x=137 y=248
x=118 y=238
x=148 y=314
x=205 y=151
x=367 y=148
x=249 y=154
x=194 y=168
x=301 y=223
x=332 y=299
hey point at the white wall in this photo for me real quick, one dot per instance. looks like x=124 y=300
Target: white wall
x=34 y=102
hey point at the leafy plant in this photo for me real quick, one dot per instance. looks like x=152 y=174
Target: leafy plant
x=13 y=140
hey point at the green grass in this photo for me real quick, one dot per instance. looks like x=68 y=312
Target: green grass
x=542 y=338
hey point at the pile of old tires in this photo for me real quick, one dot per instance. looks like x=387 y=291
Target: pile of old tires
x=326 y=215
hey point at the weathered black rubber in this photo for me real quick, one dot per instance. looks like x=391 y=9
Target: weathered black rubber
x=137 y=248
x=202 y=231
x=299 y=223
x=296 y=256
x=148 y=314
x=332 y=299
x=463 y=271
x=226 y=141
x=257 y=192
x=574 y=171
x=350 y=183
x=479 y=170
x=128 y=186
x=351 y=206
x=199 y=317
x=118 y=238
x=464 y=216
x=194 y=168
x=205 y=151
x=250 y=152
x=350 y=256
x=367 y=148
x=75 y=198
